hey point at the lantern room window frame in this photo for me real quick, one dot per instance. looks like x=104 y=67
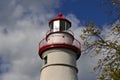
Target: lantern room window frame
x=63 y=25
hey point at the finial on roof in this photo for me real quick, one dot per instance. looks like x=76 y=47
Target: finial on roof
x=59 y=15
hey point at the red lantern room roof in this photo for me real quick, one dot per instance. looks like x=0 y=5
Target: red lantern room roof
x=59 y=17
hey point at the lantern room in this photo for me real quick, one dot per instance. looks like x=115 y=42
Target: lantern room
x=59 y=36
x=59 y=24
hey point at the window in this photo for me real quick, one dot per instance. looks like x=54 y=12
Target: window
x=62 y=25
x=45 y=60
x=56 y=26
x=51 y=26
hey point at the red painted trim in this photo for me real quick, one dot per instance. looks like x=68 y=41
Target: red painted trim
x=67 y=65
x=59 y=17
x=67 y=46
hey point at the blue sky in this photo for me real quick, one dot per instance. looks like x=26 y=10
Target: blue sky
x=24 y=23
x=85 y=10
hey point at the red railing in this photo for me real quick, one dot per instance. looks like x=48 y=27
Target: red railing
x=75 y=43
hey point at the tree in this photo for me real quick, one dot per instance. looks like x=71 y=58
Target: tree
x=94 y=40
x=108 y=67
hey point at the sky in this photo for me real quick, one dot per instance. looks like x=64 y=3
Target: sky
x=23 y=23
x=86 y=10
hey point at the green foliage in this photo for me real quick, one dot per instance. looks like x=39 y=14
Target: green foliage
x=94 y=40
x=108 y=67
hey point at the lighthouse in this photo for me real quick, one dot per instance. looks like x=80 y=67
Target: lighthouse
x=59 y=51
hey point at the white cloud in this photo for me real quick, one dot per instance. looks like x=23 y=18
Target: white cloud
x=75 y=21
x=23 y=23
x=12 y=10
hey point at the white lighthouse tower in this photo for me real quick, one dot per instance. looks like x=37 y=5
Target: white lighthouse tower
x=59 y=51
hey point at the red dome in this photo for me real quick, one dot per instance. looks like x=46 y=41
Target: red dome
x=60 y=17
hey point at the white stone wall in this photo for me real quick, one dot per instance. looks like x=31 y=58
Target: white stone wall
x=58 y=73
x=61 y=65
x=60 y=38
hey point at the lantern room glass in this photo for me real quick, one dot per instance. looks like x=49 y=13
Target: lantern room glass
x=62 y=25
